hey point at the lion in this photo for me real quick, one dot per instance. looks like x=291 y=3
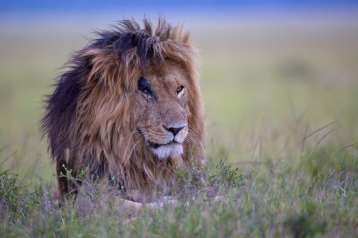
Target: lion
x=127 y=109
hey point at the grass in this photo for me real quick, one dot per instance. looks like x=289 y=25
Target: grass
x=281 y=144
x=276 y=198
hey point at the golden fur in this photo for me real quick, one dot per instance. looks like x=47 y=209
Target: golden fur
x=103 y=130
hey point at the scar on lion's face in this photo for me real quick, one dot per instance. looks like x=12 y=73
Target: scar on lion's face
x=162 y=110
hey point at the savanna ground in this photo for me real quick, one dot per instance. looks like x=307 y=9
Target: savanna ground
x=281 y=101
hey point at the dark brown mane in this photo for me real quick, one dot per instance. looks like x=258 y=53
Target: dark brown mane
x=88 y=116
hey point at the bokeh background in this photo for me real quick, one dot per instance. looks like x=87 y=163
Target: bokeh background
x=277 y=76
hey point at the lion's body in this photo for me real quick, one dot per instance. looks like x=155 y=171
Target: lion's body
x=97 y=122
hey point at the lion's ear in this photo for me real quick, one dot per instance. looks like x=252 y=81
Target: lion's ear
x=180 y=35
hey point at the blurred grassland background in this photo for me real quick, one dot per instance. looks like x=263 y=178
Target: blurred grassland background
x=280 y=90
x=266 y=83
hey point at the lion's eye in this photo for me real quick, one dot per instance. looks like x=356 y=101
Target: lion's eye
x=144 y=86
x=180 y=90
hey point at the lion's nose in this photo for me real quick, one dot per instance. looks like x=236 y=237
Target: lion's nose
x=174 y=130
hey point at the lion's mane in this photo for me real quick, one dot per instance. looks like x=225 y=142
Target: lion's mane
x=88 y=117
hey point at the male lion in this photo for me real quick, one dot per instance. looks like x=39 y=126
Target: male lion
x=127 y=109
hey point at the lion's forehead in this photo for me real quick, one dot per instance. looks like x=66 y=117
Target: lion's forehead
x=170 y=76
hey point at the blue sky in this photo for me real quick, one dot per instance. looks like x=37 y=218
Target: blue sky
x=38 y=6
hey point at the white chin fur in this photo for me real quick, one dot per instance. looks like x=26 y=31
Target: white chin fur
x=166 y=151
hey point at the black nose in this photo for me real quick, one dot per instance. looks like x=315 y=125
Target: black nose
x=174 y=130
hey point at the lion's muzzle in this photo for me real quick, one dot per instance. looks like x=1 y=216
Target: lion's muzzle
x=169 y=144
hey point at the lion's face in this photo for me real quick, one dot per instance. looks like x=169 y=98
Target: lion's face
x=162 y=110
